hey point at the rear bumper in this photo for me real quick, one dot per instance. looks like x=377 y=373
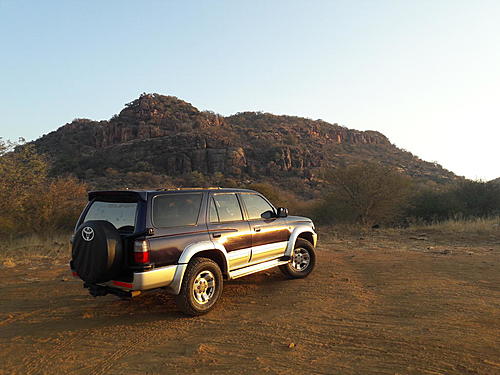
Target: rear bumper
x=156 y=278
x=162 y=277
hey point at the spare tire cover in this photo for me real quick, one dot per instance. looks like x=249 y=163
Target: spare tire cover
x=97 y=253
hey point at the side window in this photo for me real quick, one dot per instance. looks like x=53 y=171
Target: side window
x=173 y=210
x=227 y=207
x=255 y=205
x=214 y=216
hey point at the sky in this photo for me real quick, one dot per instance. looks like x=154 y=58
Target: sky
x=424 y=73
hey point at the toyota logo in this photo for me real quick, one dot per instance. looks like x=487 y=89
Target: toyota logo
x=88 y=234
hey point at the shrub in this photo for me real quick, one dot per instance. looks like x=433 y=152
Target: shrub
x=31 y=200
x=56 y=206
x=365 y=193
x=467 y=199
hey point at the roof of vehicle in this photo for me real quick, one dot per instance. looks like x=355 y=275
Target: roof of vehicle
x=143 y=193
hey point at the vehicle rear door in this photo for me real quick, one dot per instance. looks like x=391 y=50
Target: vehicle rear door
x=226 y=226
x=177 y=220
x=269 y=233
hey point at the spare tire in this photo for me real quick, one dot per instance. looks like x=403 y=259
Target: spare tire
x=97 y=254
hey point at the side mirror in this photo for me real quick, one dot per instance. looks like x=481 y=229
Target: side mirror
x=267 y=214
x=282 y=212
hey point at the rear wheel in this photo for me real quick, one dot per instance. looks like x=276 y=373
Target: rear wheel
x=302 y=262
x=201 y=287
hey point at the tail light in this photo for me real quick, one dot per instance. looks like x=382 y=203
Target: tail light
x=141 y=251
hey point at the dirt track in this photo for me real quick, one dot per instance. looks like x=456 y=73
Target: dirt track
x=380 y=305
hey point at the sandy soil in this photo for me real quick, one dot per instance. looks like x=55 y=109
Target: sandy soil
x=384 y=303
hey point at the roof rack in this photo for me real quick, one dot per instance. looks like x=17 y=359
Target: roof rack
x=191 y=188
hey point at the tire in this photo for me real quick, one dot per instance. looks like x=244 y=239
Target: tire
x=197 y=296
x=97 y=255
x=302 y=262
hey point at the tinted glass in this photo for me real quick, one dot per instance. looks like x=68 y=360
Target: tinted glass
x=228 y=207
x=214 y=216
x=118 y=214
x=173 y=210
x=255 y=205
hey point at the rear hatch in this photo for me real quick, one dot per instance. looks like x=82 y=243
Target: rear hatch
x=125 y=210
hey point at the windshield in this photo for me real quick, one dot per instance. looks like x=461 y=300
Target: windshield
x=120 y=214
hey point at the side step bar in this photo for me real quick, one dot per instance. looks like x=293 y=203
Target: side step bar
x=256 y=268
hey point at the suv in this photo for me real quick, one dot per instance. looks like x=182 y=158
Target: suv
x=186 y=241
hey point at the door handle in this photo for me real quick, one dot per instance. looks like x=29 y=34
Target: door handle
x=257 y=229
x=216 y=235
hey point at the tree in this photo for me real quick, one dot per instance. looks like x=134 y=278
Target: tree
x=21 y=173
x=466 y=199
x=31 y=201
x=478 y=198
x=365 y=193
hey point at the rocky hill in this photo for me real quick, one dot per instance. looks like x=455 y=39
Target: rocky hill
x=158 y=135
x=495 y=181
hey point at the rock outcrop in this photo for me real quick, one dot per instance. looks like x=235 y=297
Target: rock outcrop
x=167 y=136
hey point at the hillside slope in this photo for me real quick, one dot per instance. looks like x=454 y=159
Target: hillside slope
x=162 y=135
x=495 y=181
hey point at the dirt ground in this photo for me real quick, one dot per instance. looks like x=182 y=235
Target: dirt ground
x=377 y=303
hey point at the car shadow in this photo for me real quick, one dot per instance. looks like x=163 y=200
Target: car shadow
x=71 y=308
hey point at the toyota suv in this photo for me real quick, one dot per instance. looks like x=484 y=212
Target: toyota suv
x=185 y=241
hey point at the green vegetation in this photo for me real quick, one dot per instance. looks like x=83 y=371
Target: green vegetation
x=466 y=199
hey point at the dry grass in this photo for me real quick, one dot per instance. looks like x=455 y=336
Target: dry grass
x=473 y=226
x=57 y=247
x=30 y=248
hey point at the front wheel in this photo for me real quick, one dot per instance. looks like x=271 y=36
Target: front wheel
x=302 y=262
x=201 y=287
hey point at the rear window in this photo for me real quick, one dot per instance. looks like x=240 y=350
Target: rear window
x=120 y=214
x=174 y=210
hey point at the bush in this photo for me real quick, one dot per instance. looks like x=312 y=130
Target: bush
x=32 y=201
x=468 y=199
x=55 y=206
x=365 y=193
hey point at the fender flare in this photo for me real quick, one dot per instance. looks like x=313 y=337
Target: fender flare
x=188 y=252
x=295 y=234
x=194 y=248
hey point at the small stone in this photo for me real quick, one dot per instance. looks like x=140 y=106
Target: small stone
x=292 y=345
x=9 y=263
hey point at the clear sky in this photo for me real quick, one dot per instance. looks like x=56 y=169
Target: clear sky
x=424 y=73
